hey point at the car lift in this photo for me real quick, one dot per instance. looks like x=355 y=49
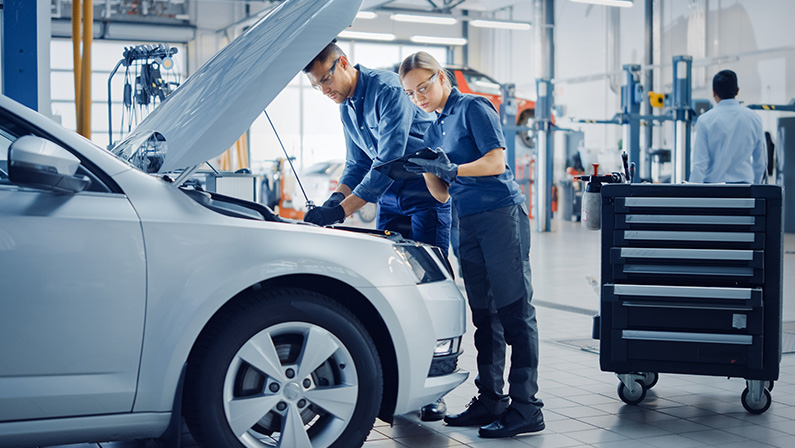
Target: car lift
x=542 y=128
x=680 y=111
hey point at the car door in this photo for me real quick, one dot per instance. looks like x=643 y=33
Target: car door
x=72 y=297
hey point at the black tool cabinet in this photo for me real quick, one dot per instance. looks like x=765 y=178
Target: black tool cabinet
x=691 y=283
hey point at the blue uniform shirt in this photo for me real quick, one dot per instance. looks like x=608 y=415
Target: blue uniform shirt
x=381 y=124
x=729 y=146
x=467 y=129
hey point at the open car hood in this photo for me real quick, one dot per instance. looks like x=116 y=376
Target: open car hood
x=216 y=104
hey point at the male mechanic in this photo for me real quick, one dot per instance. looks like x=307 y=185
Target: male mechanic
x=381 y=124
x=730 y=143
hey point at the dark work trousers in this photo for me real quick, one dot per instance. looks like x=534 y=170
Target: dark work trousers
x=495 y=258
x=409 y=209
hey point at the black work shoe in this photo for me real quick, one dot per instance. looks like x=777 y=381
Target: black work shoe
x=511 y=423
x=476 y=414
x=434 y=411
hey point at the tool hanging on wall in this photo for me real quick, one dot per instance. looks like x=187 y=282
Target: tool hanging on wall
x=144 y=85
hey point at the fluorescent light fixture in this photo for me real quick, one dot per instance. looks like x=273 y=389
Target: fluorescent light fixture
x=367 y=15
x=439 y=40
x=366 y=36
x=436 y=20
x=620 y=3
x=500 y=24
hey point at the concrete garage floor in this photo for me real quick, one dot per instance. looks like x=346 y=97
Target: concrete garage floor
x=582 y=408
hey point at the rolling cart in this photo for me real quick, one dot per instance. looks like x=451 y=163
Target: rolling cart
x=691 y=283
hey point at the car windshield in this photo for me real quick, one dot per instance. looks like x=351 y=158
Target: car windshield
x=481 y=83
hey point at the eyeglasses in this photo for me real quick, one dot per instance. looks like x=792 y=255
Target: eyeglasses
x=327 y=79
x=423 y=87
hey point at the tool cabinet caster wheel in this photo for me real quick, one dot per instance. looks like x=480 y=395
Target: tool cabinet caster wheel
x=628 y=397
x=650 y=379
x=769 y=385
x=758 y=407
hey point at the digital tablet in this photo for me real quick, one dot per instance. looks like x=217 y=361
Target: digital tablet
x=396 y=169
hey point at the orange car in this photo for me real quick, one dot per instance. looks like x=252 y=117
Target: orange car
x=469 y=80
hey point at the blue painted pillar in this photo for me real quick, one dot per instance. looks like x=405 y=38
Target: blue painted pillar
x=20 y=40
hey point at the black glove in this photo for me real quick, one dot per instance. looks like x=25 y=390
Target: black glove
x=334 y=199
x=440 y=167
x=325 y=216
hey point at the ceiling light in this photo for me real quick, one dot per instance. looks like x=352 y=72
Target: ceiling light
x=366 y=36
x=439 y=40
x=621 y=3
x=366 y=15
x=436 y=20
x=500 y=24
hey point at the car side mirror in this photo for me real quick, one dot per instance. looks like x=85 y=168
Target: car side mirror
x=35 y=162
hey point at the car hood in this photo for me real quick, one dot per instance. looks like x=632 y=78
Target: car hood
x=218 y=102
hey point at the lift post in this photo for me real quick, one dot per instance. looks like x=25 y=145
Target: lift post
x=682 y=116
x=508 y=109
x=680 y=112
x=631 y=99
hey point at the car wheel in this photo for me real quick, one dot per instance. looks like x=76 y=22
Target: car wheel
x=368 y=212
x=287 y=368
x=528 y=138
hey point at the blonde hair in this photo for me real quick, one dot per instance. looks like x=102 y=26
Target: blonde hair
x=423 y=60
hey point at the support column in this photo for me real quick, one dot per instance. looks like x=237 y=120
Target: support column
x=648 y=86
x=545 y=72
x=20 y=45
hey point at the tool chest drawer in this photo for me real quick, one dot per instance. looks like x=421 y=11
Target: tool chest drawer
x=677 y=308
x=682 y=352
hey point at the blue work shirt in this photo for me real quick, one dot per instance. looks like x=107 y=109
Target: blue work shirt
x=467 y=128
x=381 y=124
x=729 y=145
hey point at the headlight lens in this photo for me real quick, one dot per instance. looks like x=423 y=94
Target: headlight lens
x=421 y=262
x=445 y=347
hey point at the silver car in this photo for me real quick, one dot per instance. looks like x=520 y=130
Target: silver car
x=129 y=300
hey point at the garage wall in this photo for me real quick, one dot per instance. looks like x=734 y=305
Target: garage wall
x=747 y=36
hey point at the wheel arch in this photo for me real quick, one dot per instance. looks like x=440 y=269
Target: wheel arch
x=351 y=299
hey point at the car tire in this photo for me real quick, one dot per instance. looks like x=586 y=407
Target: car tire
x=526 y=119
x=317 y=381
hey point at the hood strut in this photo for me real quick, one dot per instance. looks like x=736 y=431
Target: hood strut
x=185 y=174
x=309 y=204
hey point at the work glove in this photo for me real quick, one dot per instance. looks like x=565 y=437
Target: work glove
x=334 y=199
x=325 y=216
x=440 y=167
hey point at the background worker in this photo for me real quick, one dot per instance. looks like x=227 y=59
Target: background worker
x=730 y=143
x=494 y=246
x=381 y=124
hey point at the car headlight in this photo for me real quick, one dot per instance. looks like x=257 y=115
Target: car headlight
x=421 y=262
x=446 y=347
